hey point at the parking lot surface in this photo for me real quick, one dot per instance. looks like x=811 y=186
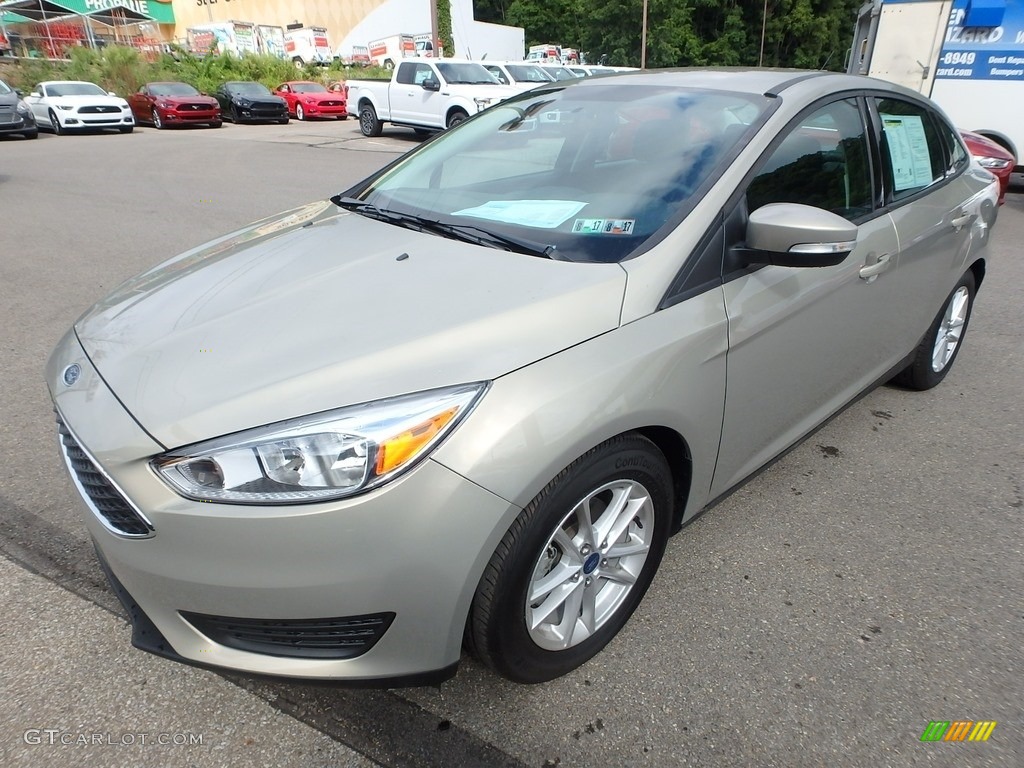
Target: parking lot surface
x=869 y=582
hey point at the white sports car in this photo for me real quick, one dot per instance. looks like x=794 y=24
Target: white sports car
x=68 y=105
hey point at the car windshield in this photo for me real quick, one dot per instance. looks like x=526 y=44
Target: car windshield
x=74 y=89
x=172 y=89
x=248 y=89
x=560 y=73
x=586 y=171
x=466 y=73
x=308 y=88
x=528 y=73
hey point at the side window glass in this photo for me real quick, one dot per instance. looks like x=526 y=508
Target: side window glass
x=956 y=152
x=423 y=73
x=406 y=74
x=498 y=74
x=823 y=161
x=913 y=155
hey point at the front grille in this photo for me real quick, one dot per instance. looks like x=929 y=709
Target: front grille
x=101 y=109
x=337 y=638
x=332 y=103
x=102 y=497
x=195 y=108
x=268 y=109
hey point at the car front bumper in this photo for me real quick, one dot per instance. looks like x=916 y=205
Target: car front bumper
x=13 y=122
x=411 y=551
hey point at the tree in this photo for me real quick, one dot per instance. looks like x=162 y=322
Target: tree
x=444 y=27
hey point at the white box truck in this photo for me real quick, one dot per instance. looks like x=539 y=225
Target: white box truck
x=388 y=51
x=967 y=55
x=308 y=45
x=234 y=37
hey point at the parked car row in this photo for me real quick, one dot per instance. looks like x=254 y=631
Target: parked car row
x=62 y=106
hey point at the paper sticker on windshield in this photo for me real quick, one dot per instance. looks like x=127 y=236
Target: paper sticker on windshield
x=543 y=214
x=603 y=226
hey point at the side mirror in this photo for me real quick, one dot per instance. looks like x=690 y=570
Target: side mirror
x=431 y=85
x=35 y=95
x=18 y=92
x=111 y=93
x=795 y=235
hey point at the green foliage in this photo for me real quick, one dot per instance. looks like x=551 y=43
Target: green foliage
x=122 y=70
x=444 y=27
x=798 y=33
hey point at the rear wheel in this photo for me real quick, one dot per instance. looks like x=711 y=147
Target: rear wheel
x=939 y=347
x=157 y=122
x=575 y=564
x=369 y=123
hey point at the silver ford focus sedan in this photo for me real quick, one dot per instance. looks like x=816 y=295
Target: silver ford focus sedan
x=467 y=401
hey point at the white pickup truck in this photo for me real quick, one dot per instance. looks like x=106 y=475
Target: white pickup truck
x=425 y=95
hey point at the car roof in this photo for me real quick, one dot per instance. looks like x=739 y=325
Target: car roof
x=754 y=81
x=68 y=82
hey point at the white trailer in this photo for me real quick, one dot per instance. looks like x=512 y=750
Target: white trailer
x=967 y=55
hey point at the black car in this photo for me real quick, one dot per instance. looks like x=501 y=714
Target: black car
x=15 y=114
x=250 y=102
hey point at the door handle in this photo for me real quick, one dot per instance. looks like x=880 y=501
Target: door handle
x=871 y=271
x=961 y=221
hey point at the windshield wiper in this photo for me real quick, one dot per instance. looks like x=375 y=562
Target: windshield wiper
x=467 y=233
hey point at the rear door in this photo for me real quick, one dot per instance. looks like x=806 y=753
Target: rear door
x=922 y=159
x=803 y=342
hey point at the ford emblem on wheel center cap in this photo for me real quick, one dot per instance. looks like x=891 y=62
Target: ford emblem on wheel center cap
x=591 y=563
x=71 y=374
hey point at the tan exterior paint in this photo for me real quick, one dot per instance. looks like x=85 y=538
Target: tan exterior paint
x=338 y=17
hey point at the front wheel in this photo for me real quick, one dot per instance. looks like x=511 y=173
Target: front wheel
x=940 y=345
x=300 y=113
x=58 y=129
x=457 y=116
x=575 y=564
x=157 y=122
x=126 y=128
x=369 y=123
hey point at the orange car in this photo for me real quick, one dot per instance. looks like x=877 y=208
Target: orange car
x=307 y=99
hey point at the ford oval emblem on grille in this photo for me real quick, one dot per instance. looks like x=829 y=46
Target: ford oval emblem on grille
x=71 y=374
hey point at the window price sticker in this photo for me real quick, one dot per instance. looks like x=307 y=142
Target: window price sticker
x=603 y=226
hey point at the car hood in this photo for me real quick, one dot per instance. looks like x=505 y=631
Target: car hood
x=179 y=100
x=115 y=101
x=318 y=308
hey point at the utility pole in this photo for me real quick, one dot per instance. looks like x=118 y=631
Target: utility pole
x=643 y=40
x=433 y=28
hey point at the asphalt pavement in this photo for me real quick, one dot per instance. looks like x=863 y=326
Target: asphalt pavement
x=867 y=583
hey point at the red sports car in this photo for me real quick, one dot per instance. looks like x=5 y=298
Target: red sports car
x=168 y=104
x=993 y=157
x=307 y=99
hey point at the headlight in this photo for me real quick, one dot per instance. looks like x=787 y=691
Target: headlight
x=23 y=109
x=65 y=106
x=124 y=104
x=994 y=162
x=482 y=104
x=244 y=102
x=325 y=456
x=164 y=105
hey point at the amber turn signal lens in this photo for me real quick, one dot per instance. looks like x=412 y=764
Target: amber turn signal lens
x=397 y=450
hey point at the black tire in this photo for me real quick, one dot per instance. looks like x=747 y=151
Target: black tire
x=300 y=113
x=31 y=134
x=921 y=374
x=157 y=122
x=126 y=128
x=217 y=124
x=55 y=124
x=236 y=116
x=283 y=121
x=421 y=132
x=497 y=630
x=369 y=123
x=455 y=117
